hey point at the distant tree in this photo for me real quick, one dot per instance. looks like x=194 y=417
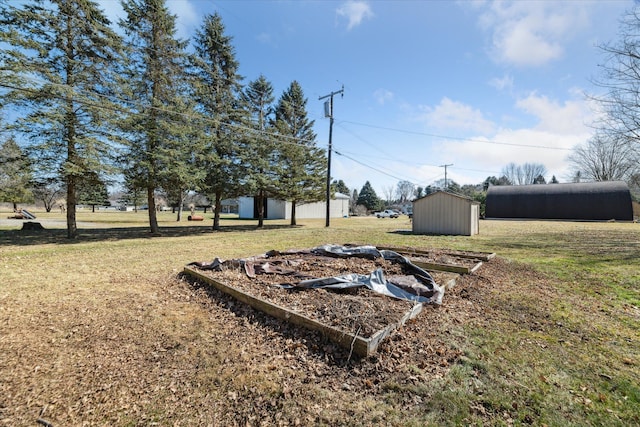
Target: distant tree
x=368 y=198
x=302 y=163
x=340 y=187
x=554 y=180
x=539 y=180
x=523 y=174
x=470 y=190
x=258 y=99
x=15 y=174
x=63 y=52
x=577 y=177
x=133 y=191
x=388 y=191
x=492 y=180
x=92 y=191
x=152 y=79
x=48 y=191
x=534 y=172
x=450 y=186
x=184 y=147
x=418 y=192
x=404 y=191
x=353 y=202
x=605 y=158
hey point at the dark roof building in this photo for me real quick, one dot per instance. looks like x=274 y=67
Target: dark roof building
x=598 y=201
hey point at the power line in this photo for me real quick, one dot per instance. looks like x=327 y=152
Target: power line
x=455 y=138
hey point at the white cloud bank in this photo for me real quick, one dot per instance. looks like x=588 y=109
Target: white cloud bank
x=557 y=128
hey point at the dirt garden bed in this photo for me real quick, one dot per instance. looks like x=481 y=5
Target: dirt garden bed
x=347 y=315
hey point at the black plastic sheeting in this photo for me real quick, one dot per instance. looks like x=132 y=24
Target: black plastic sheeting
x=417 y=285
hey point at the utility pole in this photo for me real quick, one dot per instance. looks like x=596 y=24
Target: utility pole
x=328 y=112
x=446 y=185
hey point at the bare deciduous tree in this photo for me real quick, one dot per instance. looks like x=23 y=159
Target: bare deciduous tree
x=524 y=174
x=388 y=192
x=605 y=158
x=404 y=191
x=613 y=153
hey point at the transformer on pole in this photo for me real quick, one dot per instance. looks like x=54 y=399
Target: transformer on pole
x=328 y=112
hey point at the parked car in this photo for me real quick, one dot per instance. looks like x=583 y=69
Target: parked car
x=387 y=213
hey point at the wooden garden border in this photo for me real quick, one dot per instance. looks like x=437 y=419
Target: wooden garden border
x=357 y=345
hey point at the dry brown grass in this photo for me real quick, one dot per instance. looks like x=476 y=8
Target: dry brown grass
x=102 y=331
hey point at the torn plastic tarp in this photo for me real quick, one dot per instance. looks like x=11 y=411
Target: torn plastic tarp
x=418 y=286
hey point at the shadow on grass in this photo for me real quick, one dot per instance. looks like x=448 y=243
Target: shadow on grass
x=59 y=236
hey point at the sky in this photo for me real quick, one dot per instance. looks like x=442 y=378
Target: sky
x=474 y=85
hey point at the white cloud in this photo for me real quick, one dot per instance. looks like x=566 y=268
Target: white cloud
x=558 y=118
x=558 y=127
x=532 y=33
x=187 y=17
x=355 y=11
x=382 y=96
x=452 y=115
x=505 y=82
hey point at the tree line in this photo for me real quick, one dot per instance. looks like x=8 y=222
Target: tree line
x=94 y=103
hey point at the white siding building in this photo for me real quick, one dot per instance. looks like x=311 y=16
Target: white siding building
x=446 y=213
x=280 y=209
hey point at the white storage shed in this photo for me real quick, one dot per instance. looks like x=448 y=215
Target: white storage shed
x=280 y=209
x=446 y=213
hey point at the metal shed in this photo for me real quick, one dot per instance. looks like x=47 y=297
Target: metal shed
x=446 y=213
x=597 y=201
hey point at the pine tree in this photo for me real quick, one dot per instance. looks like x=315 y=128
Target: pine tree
x=258 y=98
x=369 y=198
x=217 y=92
x=92 y=191
x=302 y=164
x=62 y=52
x=153 y=81
x=15 y=174
x=340 y=187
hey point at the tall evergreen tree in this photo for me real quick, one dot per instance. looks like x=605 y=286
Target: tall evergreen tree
x=15 y=174
x=369 y=198
x=217 y=91
x=302 y=163
x=63 y=53
x=154 y=77
x=258 y=98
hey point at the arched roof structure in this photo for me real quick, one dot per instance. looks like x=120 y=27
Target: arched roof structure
x=598 y=201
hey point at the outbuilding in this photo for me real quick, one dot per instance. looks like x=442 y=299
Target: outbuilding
x=446 y=213
x=594 y=201
x=281 y=209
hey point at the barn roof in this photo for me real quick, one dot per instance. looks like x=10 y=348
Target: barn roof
x=588 y=201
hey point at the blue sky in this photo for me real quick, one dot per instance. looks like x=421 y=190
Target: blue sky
x=473 y=84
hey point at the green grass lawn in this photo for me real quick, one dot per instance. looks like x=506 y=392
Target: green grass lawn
x=559 y=346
